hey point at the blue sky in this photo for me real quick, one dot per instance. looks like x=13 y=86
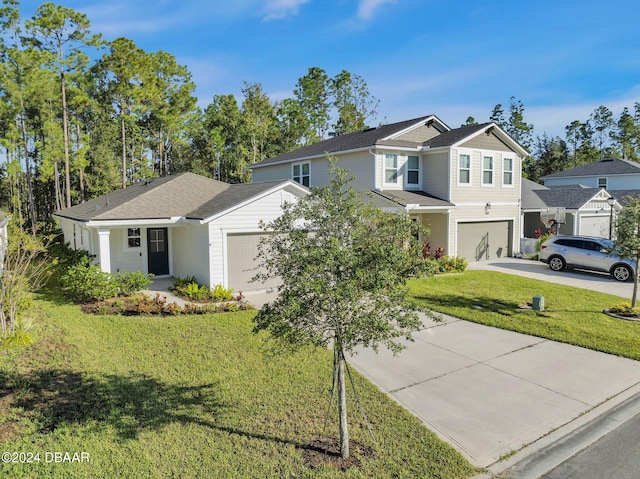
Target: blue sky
x=453 y=58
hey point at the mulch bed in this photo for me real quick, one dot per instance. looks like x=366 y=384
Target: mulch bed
x=326 y=451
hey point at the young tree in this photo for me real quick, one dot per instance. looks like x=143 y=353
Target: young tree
x=343 y=264
x=628 y=239
x=353 y=102
x=26 y=267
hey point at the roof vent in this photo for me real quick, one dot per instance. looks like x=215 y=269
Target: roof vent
x=606 y=159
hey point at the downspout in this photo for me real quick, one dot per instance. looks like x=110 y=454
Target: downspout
x=375 y=169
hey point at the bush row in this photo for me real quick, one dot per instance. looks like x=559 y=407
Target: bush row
x=85 y=282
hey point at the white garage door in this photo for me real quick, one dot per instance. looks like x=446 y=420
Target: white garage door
x=594 y=226
x=486 y=240
x=242 y=263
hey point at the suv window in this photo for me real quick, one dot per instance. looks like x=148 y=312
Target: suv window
x=592 y=246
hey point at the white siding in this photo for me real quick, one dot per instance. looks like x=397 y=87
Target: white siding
x=190 y=248
x=435 y=175
x=124 y=258
x=243 y=220
x=614 y=182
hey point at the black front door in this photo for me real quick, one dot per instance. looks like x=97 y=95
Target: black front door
x=158 y=252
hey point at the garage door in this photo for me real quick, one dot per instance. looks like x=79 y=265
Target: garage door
x=482 y=241
x=242 y=251
x=594 y=226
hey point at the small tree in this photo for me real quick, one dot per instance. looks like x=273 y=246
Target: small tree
x=26 y=267
x=343 y=265
x=628 y=239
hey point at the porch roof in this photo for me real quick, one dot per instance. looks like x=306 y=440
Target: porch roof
x=418 y=198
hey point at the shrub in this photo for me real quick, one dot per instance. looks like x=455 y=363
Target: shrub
x=625 y=309
x=129 y=282
x=84 y=282
x=220 y=293
x=194 y=291
x=179 y=282
x=452 y=264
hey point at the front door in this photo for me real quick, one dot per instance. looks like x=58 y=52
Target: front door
x=158 y=251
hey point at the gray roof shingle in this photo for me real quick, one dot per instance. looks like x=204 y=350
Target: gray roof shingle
x=452 y=137
x=608 y=166
x=349 y=141
x=404 y=198
x=183 y=195
x=571 y=198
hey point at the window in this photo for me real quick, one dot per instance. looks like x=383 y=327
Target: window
x=413 y=170
x=465 y=169
x=156 y=241
x=507 y=171
x=301 y=173
x=390 y=168
x=487 y=170
x=133 y=237
x=602 y=183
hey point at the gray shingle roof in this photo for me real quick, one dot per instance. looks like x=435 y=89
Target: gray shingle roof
x=452 y=137
x=571 y=197
x=184 y=195
x=404 y=198
x=623 y=196
x=349 y=141
x=530 y=199
x=608 y=166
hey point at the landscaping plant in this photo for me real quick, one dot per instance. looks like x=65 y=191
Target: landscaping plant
x=627 y=242
x=343 y=265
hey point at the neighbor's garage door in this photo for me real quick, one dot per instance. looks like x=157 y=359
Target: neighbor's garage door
x=594 y=226
x=242 y=251
x=481 y=241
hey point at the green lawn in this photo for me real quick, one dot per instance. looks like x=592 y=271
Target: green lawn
x=571 y=315
x=189 y=396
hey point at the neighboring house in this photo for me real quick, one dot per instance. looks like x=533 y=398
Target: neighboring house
x=182 y=225
x=585 y=210
x=611 y=174
x=4 y=237
x=463 y=183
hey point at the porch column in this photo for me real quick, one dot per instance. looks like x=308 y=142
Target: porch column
x=104 y=251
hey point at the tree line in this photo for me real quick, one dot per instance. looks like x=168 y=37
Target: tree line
x=599 y=136
x=80 y=116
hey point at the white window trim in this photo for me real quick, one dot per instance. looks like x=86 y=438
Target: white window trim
x=126 y=239
x=466 y=185
x=512 y=171
x=301 y=176
x=417 y=185
x=384 y=170
x=493 y=169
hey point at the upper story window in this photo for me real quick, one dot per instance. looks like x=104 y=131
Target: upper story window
x=133 y=237
x=487 y=170
x=301 y=173
x=507 y=171
x=390 y=168
x=602 y=183
x=464 y=170
x=413 y=170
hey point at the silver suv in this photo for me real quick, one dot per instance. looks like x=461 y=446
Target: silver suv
x=583 y=252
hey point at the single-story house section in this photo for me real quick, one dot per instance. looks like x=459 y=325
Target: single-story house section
x=586 y=210
x=182 y=225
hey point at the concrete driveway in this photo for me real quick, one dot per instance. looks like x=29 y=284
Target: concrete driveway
x=576 y=278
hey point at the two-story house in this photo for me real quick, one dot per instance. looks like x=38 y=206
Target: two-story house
x=463 y=184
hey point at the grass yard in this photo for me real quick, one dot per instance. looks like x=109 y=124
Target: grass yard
x=189 y=397
x=571 y=315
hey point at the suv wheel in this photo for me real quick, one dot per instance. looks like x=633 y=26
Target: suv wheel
x=557 y=263
x=621 y=272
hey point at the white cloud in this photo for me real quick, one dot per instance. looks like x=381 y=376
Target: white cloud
x=277 y=9
x=367 y=8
